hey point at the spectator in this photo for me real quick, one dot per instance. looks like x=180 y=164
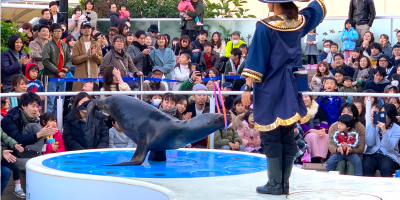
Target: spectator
x=123 y=29
x=245 y=49
x=168 y=105
x=322 y=72
x=362 y=74
x=368 y=39
x=382 y=145
x=139 y=53
x=349 y=37
x=354 y=60
x=175 y=44
x=311 y=50
x=77 y=136
x=148 y=42
x=330 y=104
x=339 y=64
x=339 y=75
x=113 y=81
x=90 y=86
x=181 y=104
x=37 y=45
x=153 y=85
x=209 y=58
x=196 y=77
x=46 y=17
x=228 y=99
x=379 y=82
x=228 y=139
x=111 y=33
x=188 y=24
x=218 y=44
x=114 y=16
x=65 y=32
x=235 y=67
x=13 y=61
x=347 y=88
x=57 y=62
x=327 y=49
x=197 y=107
x=184 y=46
x=233 y=44
x=74 y=24
x=181 y=71
x=163 y=56
x=386 y=47
x=376 y=51
x=124 y=13
x=21 y=123
x=118 y=58
x=213 y=72
x=330 y=58
x=155 y=100
x=197 y=46
x=117 y=138
x=363 y=14
x=103 y=43
x=55 y=143
x=5 y=105
x=385 y=62
x=19 y=85
x=153 y=32
x=27 y=30
x=35 y=30
x=91 y=15
x=249 y=135
x=361 y=111
x=55 y=16
x=5 y=171
x=70 y=40
x=396 y=55
x=237 y=108
x=390 y=89
x=86 y=55
x=130 y=37
x=32 y=73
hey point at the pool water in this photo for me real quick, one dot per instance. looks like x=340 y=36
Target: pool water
x=179 y=164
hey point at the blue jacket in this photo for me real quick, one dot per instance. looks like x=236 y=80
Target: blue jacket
x=322 y=56
x=352 y=37
x=331 y=107
x=10 y=66
x=389 y=143
x=167 y=62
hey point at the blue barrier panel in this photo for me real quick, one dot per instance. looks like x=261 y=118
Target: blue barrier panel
x=87 y=79
x=160 y=79
x=234 y=77
x=212 y=78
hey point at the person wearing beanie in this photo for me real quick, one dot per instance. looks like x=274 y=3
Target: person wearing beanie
x=200 y=101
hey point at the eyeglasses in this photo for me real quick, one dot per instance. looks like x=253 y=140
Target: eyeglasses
x=382 y=60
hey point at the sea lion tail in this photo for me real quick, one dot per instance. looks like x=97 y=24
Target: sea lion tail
x=90 y=115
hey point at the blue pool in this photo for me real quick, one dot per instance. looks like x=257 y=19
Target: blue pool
x=179 y=164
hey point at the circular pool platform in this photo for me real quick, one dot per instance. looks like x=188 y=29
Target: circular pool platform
x=194 y=174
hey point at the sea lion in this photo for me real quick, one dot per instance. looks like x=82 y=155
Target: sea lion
x=151 y=129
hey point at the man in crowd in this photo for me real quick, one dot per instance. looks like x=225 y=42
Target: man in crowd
x=339 y=64
x=37 y=45
x=327 y=49
x=57 y=61
x=363 y=14
x=198 y=46
x=46 y=18
x=209 y=58
x=56 y=17
x=234 y=67
x=234 y=43
x=153 y=85
x=200 y=101
x=396 y=55
x=152 y=31
x=114 y=16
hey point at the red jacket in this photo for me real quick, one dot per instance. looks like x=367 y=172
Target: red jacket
x=58 y=138
x=351 y=138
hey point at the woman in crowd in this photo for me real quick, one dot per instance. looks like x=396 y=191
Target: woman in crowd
x=362 y=74
x=13 y=61
x=19 y=85
x=113 y=81
x=237 y=109
x=386 y=47
x=181 y=105
x=76 y=135
x=188 y=24
x=382 y=141
x=183 y=46
x=168 y=105
x=148 y=41
x=322 y=72
x=123 y=29
x=218 y=44
x=250 y=136
x=130 y=37
x=70 y=40
x=74 y=24
x=139 y=52
x=368 y=39
x=163 y=57
x=361 y=111
x=27 y=29
x=90 y=14
x=354 y=60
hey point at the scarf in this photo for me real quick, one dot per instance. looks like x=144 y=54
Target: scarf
x=138 y=45
x=208 y=60
x=25 y=117
x=313 y=109
x=375 y=57
x=170 y=111
x=120 y=54
x=384 y=81
x=4 y=112
x=363 y=73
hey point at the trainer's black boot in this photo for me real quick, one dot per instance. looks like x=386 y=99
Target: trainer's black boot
x=274 y=184
x=287 y=170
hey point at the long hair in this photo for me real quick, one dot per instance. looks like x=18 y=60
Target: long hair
x=358 y=50
x=319 y=73
x=219 y=42
x=108 y=79
x=290 y=10
x=368 y=62
x=159 y=37
x=121 y=27
x=12 y=39
x=78 y=98
x=372 y=37
x=184 y=38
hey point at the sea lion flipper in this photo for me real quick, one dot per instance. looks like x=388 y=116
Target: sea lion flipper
x=138 y=157
x=158 y=156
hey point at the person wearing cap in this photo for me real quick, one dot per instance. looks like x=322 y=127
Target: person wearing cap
x=228 y=99
x=157 y=72
x=37 y=45
x=152 y=31
x=200 y=101
x=86 y=55
x=272 y=58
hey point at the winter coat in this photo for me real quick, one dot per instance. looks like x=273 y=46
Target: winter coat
x=50 y=57
x=34 y=85
x=348 y=70
x=117 y=140
x=322 y=56
x=181 y=73
x=346 y=90
x=317 y=115
x=59 y=141
x=60 y=18
x=80 y=59
x=315 y=86
x=178 y=51
x=214 y=60
x=377 y=87
x=137 y=58
x=126 y=59
x=114 y=19
x=352 y=37
x=222 y=137
x=74 y=134
x=387 y=50
x=10 y=66
x=6 y=142
x=363 y=12
x=197 y=45
x=247 y=134
x=36 y=52
x=123 y=14
x=185 y=5
x=146 y=87
x=92 y=16
x=220 y=50
x=167 y=62
x=331 y=107
x=45 y=22
x=198 y=12
x=360 y=129
x=230 y=46
x=229 y=67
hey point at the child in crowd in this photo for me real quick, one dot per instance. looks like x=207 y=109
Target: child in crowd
x=55 y=143
x=155 y=100
x=345 y=138
x=250 y=136
x=339 y=75
x=376 y=50
x=5 y=105
x=354 y=59
x=184 y=6
x=362 y=73
x=117 y=138
x=8 y=144
x=124 y=13
x=322 y=71
x=347 y=87
x=32 y=73
x=349 y=37
x=311 y=50
x=330 y=104
x=181 y=71
x=334 y=49
x=228 y=139
x=244 y=49
x=237 y=108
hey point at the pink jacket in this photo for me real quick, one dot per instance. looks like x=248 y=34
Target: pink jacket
x=57 y=138
x=122 y=15
x=185 y=5
x=245 y=133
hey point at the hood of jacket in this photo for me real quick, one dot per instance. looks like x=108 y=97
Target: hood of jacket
x=27 y=71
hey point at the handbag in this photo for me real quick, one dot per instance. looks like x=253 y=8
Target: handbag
x=306 y=157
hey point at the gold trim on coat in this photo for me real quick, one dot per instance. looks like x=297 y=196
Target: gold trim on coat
x=251 y=73
x=281 y=122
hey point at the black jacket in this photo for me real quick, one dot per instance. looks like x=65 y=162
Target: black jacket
x=192 y=108
x=197 y=45
x=114 y=19
x=60 y=18
x=10 y=66
x=363 y=13
x=74 y=135
x=45 y=22
x=13 y=125
x=348 y=70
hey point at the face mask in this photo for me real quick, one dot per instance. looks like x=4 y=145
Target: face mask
x=327 y=50
x=235 y=41
x=395 y=83
x=156 y=102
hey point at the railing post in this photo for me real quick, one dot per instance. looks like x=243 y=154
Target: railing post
x=141 y=86
x=368 y=111
x=223 y=79
x=59 y=113
x=212 y=110
x=46 y=83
